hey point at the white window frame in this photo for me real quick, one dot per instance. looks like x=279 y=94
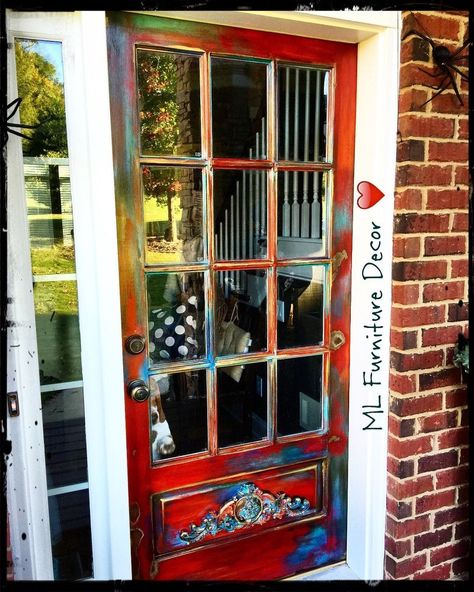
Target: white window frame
x=83 y=35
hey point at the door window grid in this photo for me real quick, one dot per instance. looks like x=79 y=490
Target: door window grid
x=213 y=263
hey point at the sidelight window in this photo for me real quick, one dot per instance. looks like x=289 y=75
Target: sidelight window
x=51 y=233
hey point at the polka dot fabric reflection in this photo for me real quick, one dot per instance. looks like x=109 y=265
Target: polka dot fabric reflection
x=172 y=332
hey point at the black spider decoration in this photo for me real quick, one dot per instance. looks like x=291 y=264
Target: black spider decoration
x=8 y=127
x=445 y=62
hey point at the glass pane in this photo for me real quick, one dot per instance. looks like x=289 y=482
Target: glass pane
x=240 y=214
x=169 y=103
x=301 y=214
x=48 y=198
x=64 y=437
x=175 y=316
x=178 y=414
x=302 y=114
x=71 y=535
x=57 y=330
x=241 y=311
x=239 y=108
x=173 y=207
x=242 y=404
x=300 y=305
x=46 y=166
x=299 y=407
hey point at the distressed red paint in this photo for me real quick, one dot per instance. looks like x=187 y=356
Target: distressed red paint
x=268 y=552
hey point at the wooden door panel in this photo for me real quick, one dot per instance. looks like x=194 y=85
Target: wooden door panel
x=168 y=496
x=281 y=551
x=209 y=514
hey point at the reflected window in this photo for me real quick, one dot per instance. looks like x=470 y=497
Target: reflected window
x=169 y=103
x=241 y=311
x=173 y=210
x=303 y=104
x=64 y=436
x=47 y=185
x=240 y=214
x=299 y=402
x=242 y=406
x=175 y=316
x=300 y=305
x=301 y=195
x=57 y=331
x=239 y=108
x=69 y=518
x=178 y=414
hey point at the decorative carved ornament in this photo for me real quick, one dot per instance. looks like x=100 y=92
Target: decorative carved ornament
x=249 y=507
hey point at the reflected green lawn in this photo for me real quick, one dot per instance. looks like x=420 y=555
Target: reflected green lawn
x=57 y=329
x=52 y=259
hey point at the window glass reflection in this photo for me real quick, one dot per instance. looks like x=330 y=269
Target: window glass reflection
x=299 y=401
x=241 y=311
x=173 y=209
x=169 y=103
x=178 y=414
x=242 y=404
x=69 y=520
x=301 y=214
x=303 y=94
x=175 y=316
x=64 y=436
x=239 y=108
x=240 y=214
x=57 y=331
x=300 y=305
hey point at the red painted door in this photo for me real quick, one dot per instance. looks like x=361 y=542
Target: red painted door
x=233 y=154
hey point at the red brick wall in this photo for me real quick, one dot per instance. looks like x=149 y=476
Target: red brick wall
x=427 y=521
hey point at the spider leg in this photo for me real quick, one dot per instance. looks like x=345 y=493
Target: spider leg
x=453 y=82
x=440 y=90
x=459 y=72
x=18 y=134
x=425 y=37
x=433 y=75
x=22 y=125
x=460 y=58
x=458 y=51
x=439 y=85
x=16 y=102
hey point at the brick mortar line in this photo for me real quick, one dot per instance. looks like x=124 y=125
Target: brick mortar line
x=438 y=163
x=418 y=475
x=419 y=86
x=438 y=187
x=425 y=349
x=429 y=211
x=433 y=391
x=442 y=234
x=432 y=492
x=424 y=282
x=441 y=115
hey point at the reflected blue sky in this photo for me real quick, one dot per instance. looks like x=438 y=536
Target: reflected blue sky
x=51 y=51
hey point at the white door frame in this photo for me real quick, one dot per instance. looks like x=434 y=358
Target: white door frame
x=88 y=121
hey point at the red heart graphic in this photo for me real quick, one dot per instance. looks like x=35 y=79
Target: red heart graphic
x=369 y=195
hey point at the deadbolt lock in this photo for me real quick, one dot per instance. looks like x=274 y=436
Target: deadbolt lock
x=135 y=344
x=138 y=391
